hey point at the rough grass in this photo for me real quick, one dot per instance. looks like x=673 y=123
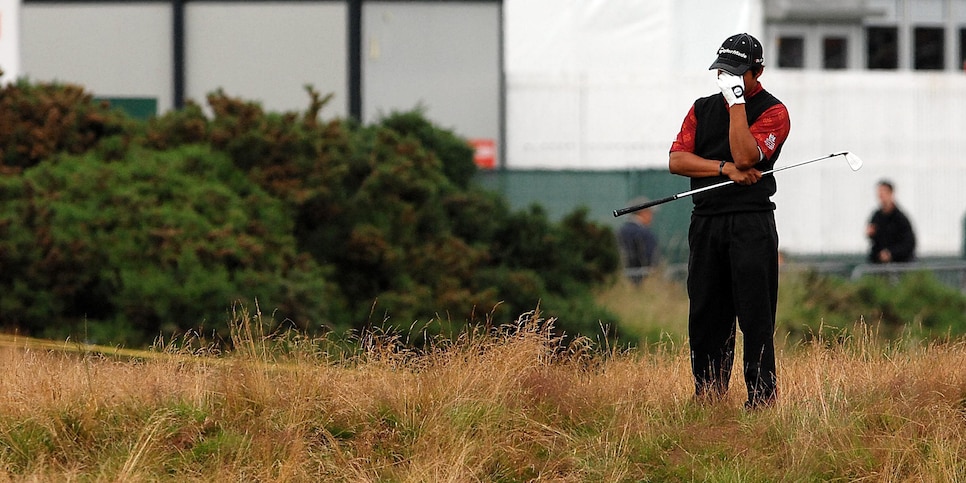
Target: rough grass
x=507 y=405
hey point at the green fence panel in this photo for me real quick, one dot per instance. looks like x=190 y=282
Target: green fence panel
x=601 y=192
x=137 y=107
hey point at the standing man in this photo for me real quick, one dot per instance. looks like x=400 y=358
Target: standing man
x=638 y=243
x=893 y=239
x=733 y=263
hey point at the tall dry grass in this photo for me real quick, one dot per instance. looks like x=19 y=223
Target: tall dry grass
x=509 y=404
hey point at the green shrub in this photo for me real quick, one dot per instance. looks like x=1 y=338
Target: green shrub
x=391 y=208
x=40 y=120
x=916 y=299
x=913 y=304
x=454 y=153
x=158 y=242
x=163 y=225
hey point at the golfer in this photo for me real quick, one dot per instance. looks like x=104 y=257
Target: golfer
x=733 y=263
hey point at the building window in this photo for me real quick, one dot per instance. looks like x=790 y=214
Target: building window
x=929 y=48
x=962 y=49
x=791 y=52
x=835 y=52
x=882 y=48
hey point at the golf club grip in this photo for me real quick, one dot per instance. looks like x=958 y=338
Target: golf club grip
x=631 y=209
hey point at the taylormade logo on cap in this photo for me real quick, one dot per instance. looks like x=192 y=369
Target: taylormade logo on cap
x=734 y=52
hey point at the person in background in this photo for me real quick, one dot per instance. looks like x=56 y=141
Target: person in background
x=890 y=231
x=735 y=135
x=638 y=243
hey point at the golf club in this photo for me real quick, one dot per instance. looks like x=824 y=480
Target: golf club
x=854 y=162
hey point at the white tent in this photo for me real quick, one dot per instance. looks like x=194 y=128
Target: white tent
x=605 y=84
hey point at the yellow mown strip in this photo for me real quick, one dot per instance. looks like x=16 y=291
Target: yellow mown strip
x=21 y=342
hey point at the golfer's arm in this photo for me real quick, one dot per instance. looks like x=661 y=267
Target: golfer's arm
x=744 y=147
x=688 y=164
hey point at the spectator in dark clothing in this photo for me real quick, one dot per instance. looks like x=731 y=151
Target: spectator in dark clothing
x=638 y=244
x=893 y=239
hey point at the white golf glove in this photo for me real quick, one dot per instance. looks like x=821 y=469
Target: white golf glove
x=733 y=88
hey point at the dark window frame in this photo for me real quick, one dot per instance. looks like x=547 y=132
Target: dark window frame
x=791 y=52
x=838 y=59
x=882 y=47
x=962 y=49
x=929 y=47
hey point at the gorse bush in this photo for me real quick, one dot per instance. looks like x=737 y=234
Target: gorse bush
x=132 y=229
x=154 y=241
x=40 y=120
x=915 y=304
x=917 y=298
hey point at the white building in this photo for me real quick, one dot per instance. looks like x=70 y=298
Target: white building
x=585 y=87
x=881 y=78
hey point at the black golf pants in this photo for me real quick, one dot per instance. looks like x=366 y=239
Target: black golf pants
x=733 y=275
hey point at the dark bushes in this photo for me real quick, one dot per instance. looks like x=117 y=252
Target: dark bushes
x=40 y=120
x=134 y=229
x=157 y=241
x=915 y=304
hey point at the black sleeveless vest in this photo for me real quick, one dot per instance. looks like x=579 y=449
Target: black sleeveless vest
x=711 y=142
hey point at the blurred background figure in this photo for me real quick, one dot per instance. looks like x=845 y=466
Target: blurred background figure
x=638 y=243
x=890 y=231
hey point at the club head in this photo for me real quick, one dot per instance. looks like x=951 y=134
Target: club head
x=854 y=161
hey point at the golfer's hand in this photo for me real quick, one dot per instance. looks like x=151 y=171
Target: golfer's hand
x=733 y=88
x=745 y=177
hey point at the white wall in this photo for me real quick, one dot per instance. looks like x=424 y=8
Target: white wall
x=906 y=126
x=112 y=49
x=9 y=40
x=442 y=57
x=260 y=51
x=605 y=84
x=267 y=52
x=579 y=77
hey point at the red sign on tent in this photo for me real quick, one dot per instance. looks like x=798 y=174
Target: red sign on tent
x=484 y=153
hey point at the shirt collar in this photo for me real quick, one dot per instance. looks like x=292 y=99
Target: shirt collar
x=758 y=88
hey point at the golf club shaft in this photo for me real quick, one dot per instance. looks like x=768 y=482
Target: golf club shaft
x=790 y=166
x=631 y=209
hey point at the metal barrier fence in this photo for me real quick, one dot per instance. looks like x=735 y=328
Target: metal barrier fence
x=951 y=272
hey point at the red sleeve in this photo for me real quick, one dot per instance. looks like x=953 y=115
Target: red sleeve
x=771 y=129
x=685 y=139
